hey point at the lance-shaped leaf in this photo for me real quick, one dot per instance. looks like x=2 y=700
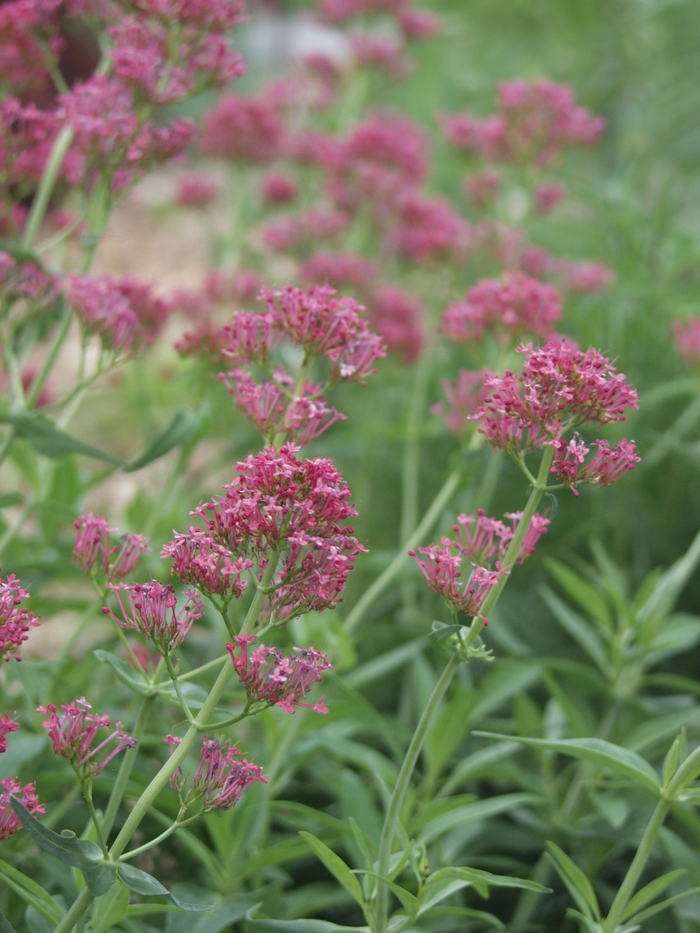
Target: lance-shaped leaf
x=256 y=924
x=621 y=760
x=140 y=882
x=446 y=881
x=336 y=866
x=5 y=925
x=580 y=888
x=651 y=891
x=31 y=892
x=181 y=429
x=662 y=905
x=51 y=441
x=79 y=853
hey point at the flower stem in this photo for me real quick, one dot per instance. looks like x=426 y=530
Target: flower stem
x=635 y=870
x=386 y=577
x=127 y=764
x=46 y=185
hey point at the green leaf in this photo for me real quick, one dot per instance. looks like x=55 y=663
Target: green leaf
x=51 y=441
x=477 y=763
x=621 y=760
x=379 y=667
x=680 y=632
x=585 y=923
x=20 y=253
x=80 y=853
x=408 y=901
x=480 y=880
x=31 y=892
x=223 y=915
x=140 y=882
x=472 y=812
x=660 y=727
x=336 y=866
x=11 y=498
x=36 y=922
x=469 y=913
x=579 y=629
x=669 y=586
x=263 y=925
x=181 y=429
x=110 y=908
x=582 y=592
x=651 y=891
x=125 y=673
x=662 y=905
x=5 y=925
x=578 y=884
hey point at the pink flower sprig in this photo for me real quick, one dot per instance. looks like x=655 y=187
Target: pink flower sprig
x=152 y=611
x=275 y=680
x=15 y=619
x=73 y=732
x=607 y=466
x=206 y=565
x=93 y=547
x=9 y=821
x=510 y=307
x=464 y=398
x=442 y=571
x=244 y=129
x=687 y=334
x=7 y=725
x=221 y=779
x=398 y=318
x=560 y=387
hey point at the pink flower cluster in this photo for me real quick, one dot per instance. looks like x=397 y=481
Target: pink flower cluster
x=94 y=548
x=464 y=398
x=339 y=269
x=25 y=281
x=15 y=620
x=398 y=319
x=277 y=504
x=73 y=732
x=201 y=562
x=221 y=778
x=9 y=821
x=124 y=313
x=196 y=190
x=535 y=120
x=510 y=307
x=570 y=275
x=414 y=22
x=478 y=539
x=271 y=678
x=152 y=611
x=687 y=334
x=7 y=725
x=298 y=231
x=607 y=466
x=244 y=129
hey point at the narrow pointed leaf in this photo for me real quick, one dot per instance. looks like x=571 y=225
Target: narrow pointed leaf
x=5 y=925
x=662 y=905
x=110 y=908
x=651 y=891
x=409 y=901
x=621 y=760
x=140 y=882
x=51 y=441
x=181 y=429
x=579 y=629
x=472 y=812
x=575 y=880
x=125 y=672
x=28 y=888
x=256 y=924
x=11 y=498
x=585 y=923
x=336 y=866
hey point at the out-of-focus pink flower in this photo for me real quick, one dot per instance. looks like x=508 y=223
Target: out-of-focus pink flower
x=419 y=24
x=300 y=230
x=245 y=129
x=537 y=261
x=687 y=335
x=278 y=188
x=196 y=190
x=606 y=467
x=464 y=398
x=7 y=725
x=271 y=678
x=207 y=342
x=482 y=188
x=560 y=387
x=340 y=11
x=15 y=620
x=221 y=777
x=511 y=307
x=584 y=276
x=339 y=269
x=427 y=230
x=152 y=611
x=547 y=196
x=386 y=54
x=73 y=731
x=25 y=281
x=313 y=147
x=28 y=35
x=398 y=319
x=9 y=821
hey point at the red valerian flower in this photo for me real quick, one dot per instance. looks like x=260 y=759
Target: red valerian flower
x=73 y=731
x=9 y=821
x=153 y=612
x=270 y=677
x=464 y=399
x=15 y=620
x=606 y=467
x=222 y=778
x=442 y=571
x=7 y=725
x=687 y=335
x=201 y=562
x=398 y=319
x=93 y=545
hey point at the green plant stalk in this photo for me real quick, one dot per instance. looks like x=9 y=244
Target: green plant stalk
x=635 y=870
x=686 y=773
x=401 y=787
x=385 y=578
x=127 y=765
x=46 y=185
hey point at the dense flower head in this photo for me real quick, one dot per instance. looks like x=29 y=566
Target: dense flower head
x=152 y=611
x=442 y=571
x=206 y=565
x=482 y=188
x=26 y=137
x=123 y=312
x=385 y=53
x=94 y=547
x=427 y=229
x=687 y=334
x=222 y=777
x=15 y=619
x=547 y=196
x=418 y=24
x=294 y=508
x=398 y=319
x=278 y=188
x=270 y=677
x=246 y=129
x=510 y=306
x=25 y=281
x=207 y=342
x=535 y=120
x=303 y=229
x=196 y=190
x=339 y=269
x=7 y=725
x=74 y=730
x=27 y=38
x=464 y=398
x=607 y=466
x=9 y=821
x=559 y=387
x=490 y=537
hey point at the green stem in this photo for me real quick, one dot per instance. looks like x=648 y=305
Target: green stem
x=257 y=603
x=157 y=841
x=87 y=795
x=401 y=787
x=181 y=699
x=46 y=185
x=77 y=909
x=635 y=870
x=48 y=363
x=412 y=449
x=126 y=767
x=205 y=667
x=386 y=577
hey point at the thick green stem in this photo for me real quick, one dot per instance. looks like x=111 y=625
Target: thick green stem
x=77 y=909
x=402 y=781
x=46 y=185
x=622 y=898
x=386 y=577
